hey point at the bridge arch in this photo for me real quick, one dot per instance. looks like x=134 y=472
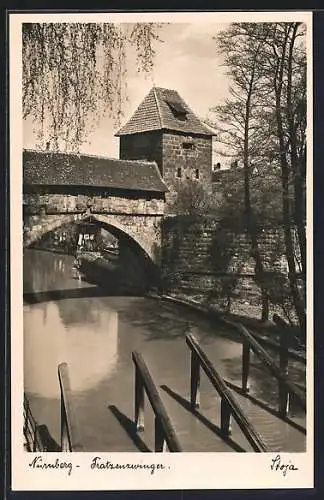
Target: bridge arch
x=139 y=239
x=145 y=236
x=146 y=232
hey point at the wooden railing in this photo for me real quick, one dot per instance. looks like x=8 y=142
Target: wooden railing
x=32 y=437
x=68 y=426
x=286 y=387
x=229 y=406
x=164 y=432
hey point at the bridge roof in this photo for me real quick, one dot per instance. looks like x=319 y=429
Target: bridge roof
x=61 y=169
x=164 y=109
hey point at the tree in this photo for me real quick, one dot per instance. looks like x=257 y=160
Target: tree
x=192 y=199
x=264 y=123
x=290 y=113
x=265 y=194
x=238 y=121
x=74 y=73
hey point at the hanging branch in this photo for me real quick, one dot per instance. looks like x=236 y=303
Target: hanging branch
x=75 y=73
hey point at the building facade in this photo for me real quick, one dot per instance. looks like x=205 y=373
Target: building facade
x=165 y=130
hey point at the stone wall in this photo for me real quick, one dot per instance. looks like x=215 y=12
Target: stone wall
x=186 y=157
x=178 y=156
x=212 y=263
x=136 y=218
x=53 y=203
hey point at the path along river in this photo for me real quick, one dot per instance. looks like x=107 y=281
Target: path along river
x=68 y=319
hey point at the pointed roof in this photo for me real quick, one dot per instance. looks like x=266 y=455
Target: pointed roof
x=164 y=109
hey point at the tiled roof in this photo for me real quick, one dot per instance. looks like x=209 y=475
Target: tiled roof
x=60 y=169
x=154 y=113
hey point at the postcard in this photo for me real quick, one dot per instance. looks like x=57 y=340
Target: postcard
x=161 y=250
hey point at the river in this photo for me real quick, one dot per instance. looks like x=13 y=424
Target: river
x=69 y=320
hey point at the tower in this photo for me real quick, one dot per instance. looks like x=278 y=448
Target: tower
x=165 y=130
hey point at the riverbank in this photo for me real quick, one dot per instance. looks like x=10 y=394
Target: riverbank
x=114 y=279
x=117 y=280
x=267 y=333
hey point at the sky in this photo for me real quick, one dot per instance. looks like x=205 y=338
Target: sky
x=186 y=61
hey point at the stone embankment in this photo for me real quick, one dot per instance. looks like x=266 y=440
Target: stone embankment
x=268 y=334
x=210 y=261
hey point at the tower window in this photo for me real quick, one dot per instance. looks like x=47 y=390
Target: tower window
x=179 y=172
x=188 y=145
x=197 y=173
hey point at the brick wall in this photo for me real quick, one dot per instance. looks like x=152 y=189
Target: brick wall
x=191 y=154
x=172 y=151
x=204 y=260
x=53 y=203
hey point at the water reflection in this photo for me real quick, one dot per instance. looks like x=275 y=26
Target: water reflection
x=81 y=312
x=45 y=271
x=67 y=320
x=96 y=333
x=89 y=347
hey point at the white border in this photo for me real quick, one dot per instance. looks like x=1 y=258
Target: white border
x=185 y=470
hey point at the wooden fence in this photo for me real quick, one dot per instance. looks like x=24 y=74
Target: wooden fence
x=229 y=406
x=164 y=432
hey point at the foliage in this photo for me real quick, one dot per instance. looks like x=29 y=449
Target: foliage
x=192 y=199
x=263 y=125
x=74 y=74
x=265 y=194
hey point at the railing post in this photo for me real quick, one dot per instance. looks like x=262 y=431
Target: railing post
x=139 y=401
x=41 y=446
x=195 y=381
x=35 y=438
x=225 y=418
x=26 y=405
x=229 y=407
x=144 y=384
x=246 y=356
x=284 y=357
x=65 y=445
x=160 y=443
x=69 y=433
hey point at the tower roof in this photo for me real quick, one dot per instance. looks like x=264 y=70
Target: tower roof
x=164 y=109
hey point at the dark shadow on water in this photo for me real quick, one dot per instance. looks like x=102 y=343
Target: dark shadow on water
x=214 y=428
x=130 y=427
x=265 y=407
x=158 y=320
x=72 y=293
x=263 y=384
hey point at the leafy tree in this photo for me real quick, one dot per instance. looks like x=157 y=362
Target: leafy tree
x=74 y=73
x=238 y=120
x=192 y=199
x=265 y=194
x=285 y=75
x=263 y=124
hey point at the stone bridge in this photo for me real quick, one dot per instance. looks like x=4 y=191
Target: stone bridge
x=125 y=197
